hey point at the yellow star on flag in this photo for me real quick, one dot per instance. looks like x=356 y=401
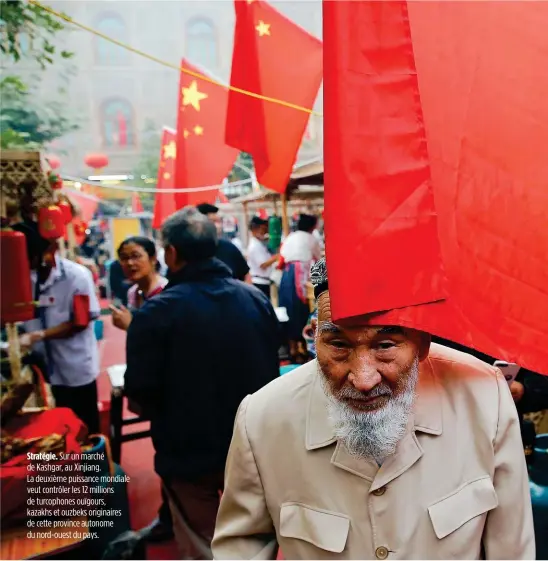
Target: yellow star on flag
x=263 y=28
x=170 y=151
x=198 y=130
x=250 y=1
x=186 y=133
x=192 y=96
x=167 y=175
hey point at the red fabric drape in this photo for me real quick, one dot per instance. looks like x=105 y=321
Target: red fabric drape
x=482 y=97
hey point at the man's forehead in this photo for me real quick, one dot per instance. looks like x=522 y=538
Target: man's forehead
x=327 y=326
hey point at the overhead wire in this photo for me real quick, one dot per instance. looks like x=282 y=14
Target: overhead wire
x=133 y=189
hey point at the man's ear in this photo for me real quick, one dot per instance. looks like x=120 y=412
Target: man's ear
x=314 y=324
x=424 y=346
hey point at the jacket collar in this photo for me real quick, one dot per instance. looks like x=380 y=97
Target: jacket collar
x=426 y=416
x=199 y=271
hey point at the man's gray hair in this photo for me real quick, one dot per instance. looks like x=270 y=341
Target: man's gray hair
x=192 y=234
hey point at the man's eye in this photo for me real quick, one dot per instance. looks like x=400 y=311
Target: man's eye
x=338 y=344
x=386 y=345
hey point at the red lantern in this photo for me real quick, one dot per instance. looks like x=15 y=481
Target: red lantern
x=51 y=223
x=53 y=161
x=66 y=210
x=96 y=161
x=16 y=294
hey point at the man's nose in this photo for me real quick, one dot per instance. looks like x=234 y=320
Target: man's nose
x=363 y=375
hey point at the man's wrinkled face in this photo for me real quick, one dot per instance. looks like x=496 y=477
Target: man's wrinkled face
x=369 y=376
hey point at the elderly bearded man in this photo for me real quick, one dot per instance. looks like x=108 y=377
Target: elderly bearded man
x=385 y=448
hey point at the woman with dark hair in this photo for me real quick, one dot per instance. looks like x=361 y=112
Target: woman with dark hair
x=299 y=251
x=137 y=255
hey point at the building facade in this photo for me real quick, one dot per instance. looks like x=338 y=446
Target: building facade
x=118 y=97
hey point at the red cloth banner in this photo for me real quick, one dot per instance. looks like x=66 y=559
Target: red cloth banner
x=276 y=58
x=203 y=157
x=479 y=68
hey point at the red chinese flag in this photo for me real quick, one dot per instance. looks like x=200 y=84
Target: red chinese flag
x=275 y=58
x=203 y=157
x=164 y=203
x=136 y=204
x=481 y=95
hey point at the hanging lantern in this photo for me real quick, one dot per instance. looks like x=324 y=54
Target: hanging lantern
x=53 y=161
x=66 y=210
x=96 y=161
x=16 y=294
x=51 y=222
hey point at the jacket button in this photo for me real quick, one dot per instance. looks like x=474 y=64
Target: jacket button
x=380 y=491
x=381 y=552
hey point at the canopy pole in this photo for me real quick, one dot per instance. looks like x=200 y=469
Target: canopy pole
x=285 y=220
x=246 y=216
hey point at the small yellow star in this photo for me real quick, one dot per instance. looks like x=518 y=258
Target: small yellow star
x=250 y=1
x=263 y=28
x=192 y=96
x=170 y=151
x=186 y=133
x=198 y=130
x=167 y=175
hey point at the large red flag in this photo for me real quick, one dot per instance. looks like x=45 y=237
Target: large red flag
x=472 y=71
x=203 y=157
x=275 y=58
x=164 y=203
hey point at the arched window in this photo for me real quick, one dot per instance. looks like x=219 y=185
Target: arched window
x=117 y=123
x=201 y=43
x=107 y=53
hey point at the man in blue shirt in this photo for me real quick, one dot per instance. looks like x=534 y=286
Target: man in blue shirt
x=62 y=331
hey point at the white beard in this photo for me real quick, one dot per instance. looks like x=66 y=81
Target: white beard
x=372 y=434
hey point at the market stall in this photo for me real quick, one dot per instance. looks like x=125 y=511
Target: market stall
x=304 y=191
x=36 y=436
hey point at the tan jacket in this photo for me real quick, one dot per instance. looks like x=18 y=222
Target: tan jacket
x=456 y=488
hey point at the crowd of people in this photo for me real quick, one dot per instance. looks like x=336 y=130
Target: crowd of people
x=251 y=461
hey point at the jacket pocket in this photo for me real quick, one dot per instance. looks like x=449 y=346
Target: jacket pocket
x=470 y=500
x=322 y=528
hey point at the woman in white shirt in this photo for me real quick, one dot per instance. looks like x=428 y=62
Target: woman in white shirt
x=299 y=251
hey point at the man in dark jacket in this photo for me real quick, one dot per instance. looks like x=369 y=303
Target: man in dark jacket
x=194 y=352
x=226 y=251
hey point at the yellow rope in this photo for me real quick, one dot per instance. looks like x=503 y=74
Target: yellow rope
x=169 y=64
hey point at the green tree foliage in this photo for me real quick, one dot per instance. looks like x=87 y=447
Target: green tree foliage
x=26 y=123
x=145 y=172
x=21 y=19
